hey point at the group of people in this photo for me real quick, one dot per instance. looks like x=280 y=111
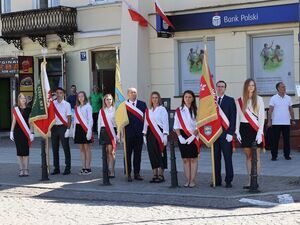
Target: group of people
x=243 y=118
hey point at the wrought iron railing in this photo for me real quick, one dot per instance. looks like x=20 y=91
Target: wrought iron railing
x=37 y=23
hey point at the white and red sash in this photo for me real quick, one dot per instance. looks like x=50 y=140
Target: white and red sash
x=225 y=122
x=57 y=113
x=109 y=129
x=82 y=121
x=155 y=129
x=135 y=111
x=251 y=119
x=186 y=131
x=20 y=120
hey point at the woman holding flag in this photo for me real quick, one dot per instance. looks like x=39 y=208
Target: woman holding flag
x=187 y=132
x=83 y=131
x=250 y=123
x=156 y=131
x=107 y=131
x=22 y=134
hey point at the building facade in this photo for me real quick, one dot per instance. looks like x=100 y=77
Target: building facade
x=244 y=38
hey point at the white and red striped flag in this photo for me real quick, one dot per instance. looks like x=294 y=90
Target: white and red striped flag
x=136 y=16
x=161 y=13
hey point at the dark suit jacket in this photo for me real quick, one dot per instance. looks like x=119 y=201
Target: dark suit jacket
x=135 y=126
x=229 y=108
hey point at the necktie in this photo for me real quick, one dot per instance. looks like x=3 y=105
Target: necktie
x=219 y=100
x=133 y=104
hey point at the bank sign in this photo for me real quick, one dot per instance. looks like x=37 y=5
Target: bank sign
x=232 y=18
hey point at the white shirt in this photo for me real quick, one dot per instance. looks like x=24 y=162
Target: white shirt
x=160 y=115
x=190 y=122
x=281 y=114
x=64 y=108
x=86 y=112
x=240 y=118
x=110 y=115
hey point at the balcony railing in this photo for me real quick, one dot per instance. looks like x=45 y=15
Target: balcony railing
x=36 y=24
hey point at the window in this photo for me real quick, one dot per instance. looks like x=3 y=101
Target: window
x=5 y=6
x=191 y=53
x=53 y=3
x=100 y=1
x=272 y=61
x=40 y=4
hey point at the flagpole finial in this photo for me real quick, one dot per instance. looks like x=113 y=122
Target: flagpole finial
x=44 y=52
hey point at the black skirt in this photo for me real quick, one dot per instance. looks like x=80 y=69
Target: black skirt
x=21 y=142
x=104 y=137
x=187 y=151
x=157 y=158
x=248 y=135
x=80 y=136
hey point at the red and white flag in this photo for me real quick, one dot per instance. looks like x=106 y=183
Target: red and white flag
x=136 y=16
x=161 y=13
x=42 y=113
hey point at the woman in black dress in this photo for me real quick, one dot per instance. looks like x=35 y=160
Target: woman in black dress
x=158 y=117
x=250 y=106
x=186 y=130
x=83 y=131
x=19 y=137
x=109 y=139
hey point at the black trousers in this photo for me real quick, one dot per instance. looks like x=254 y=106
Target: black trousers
x=134 y=145
x=95 y=122
x=221 y=145
x=277 y=130
x=58 y=134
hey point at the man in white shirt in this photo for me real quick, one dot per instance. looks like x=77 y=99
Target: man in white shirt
x=60 y=132
x=280 y=115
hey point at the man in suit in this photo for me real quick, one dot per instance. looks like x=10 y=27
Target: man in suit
x=133 y=131
x=223 y=144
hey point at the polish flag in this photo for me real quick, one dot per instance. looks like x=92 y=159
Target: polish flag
x=161 y=13
x=135 y=16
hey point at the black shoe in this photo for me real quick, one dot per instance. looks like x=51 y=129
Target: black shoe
x=274 y=158
x=129 y=178
x=66 y=172
x=217 y=184
x=246 y=187
x=55 y=172
x=228 y=185
x=138 y=177
x=288 y=158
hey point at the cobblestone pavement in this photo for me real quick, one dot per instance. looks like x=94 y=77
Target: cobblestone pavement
x=26 y=208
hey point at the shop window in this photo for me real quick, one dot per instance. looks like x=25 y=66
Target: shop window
x=272 y=61
x=190 y=59
x=5 y=6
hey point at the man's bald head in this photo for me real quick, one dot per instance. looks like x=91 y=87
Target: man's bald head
x=132 y=94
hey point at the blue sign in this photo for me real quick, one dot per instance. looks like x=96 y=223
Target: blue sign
x=83 y=56
x=232 y=18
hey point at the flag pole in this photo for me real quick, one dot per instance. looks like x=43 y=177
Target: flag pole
x=213 y=165
x=125 y=153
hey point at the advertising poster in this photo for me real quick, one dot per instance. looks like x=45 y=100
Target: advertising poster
x=26 y=82
x=25 y=64
x=273 y=62
x=9 y=66
x=191 y=55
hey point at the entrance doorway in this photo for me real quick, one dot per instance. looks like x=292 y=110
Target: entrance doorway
x=5 y=104
x=104 y=68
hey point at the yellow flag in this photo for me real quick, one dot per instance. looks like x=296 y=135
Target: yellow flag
x=207 y=111
x=121 y=112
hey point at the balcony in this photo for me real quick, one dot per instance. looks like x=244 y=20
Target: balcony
x=37 y=24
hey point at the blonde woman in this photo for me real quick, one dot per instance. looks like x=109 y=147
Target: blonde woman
x=21 y=133
x=83 y=131
x=250 y=123
x=107 y=131
x=156 y=131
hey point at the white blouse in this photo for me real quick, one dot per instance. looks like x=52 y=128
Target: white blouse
x=110 y=115
x=160 y=115
x=240 y=118
x=86 y=112
x=190 y=122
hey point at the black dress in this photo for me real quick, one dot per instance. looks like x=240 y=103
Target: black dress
x=21 y=140
x=187 y=151
x=157 y=159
